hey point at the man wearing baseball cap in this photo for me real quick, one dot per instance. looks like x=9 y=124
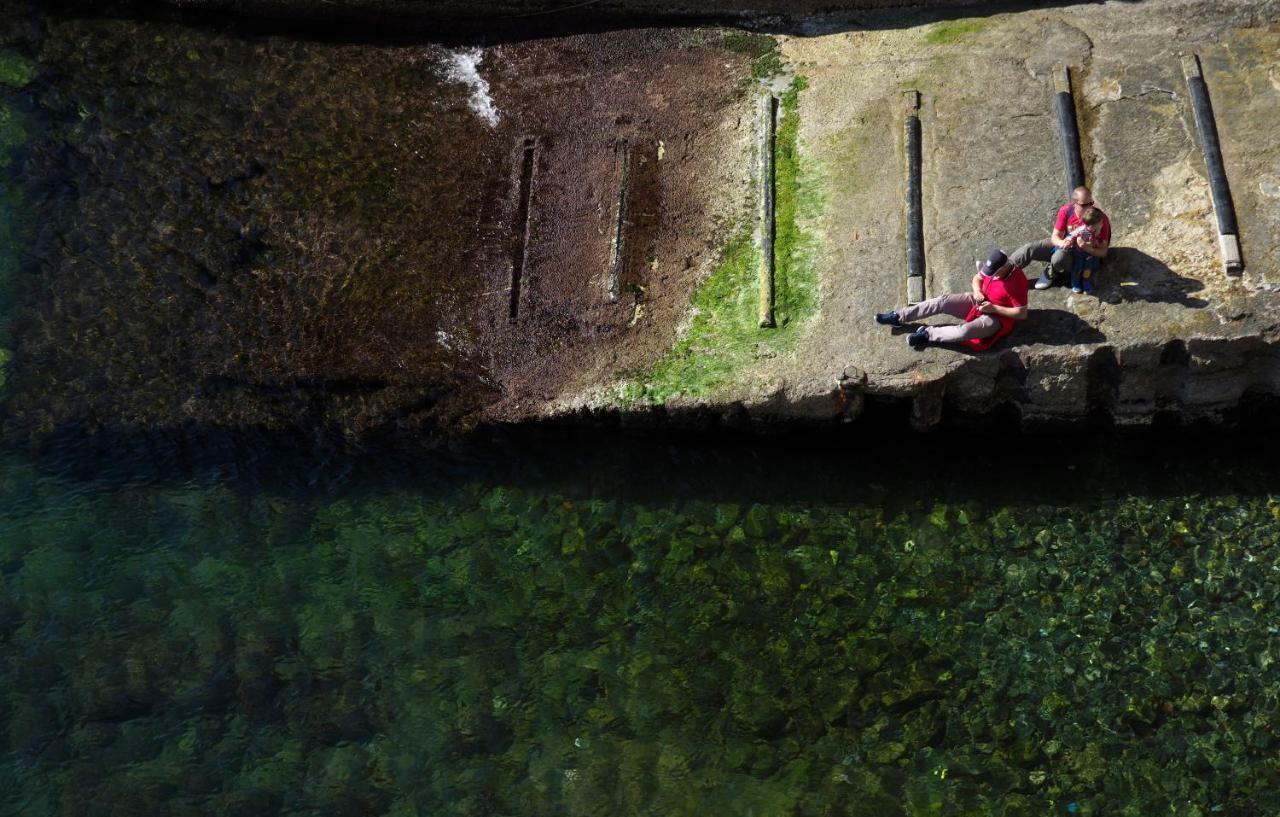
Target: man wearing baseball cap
x=997 y=301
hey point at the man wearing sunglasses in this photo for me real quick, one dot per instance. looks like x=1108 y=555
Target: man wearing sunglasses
x=1057 y=249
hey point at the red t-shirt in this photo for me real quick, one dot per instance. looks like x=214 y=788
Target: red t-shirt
x=1010 y=291
x=1067 y=220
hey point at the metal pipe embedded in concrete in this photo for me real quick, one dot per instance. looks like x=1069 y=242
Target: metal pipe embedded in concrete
x=620 y=219
x=769 y=131
x=1228 y=231
x=915 y=207
x=1067 y=130
x=525 y=196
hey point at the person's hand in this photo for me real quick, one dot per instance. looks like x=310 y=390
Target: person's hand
x=987 y=308
x=978 y=297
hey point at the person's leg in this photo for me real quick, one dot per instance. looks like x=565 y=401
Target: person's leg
x=1060 y=262
x=1042 y=250
x=1034 y=251
x=1089 y=270
x=983 y=326
x=1077 y=265
x=956 y=305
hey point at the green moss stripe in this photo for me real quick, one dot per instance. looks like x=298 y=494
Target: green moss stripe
x=724 y=338
x=952 y=31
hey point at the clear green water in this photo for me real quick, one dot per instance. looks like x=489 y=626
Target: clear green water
x=628 y=629
x=250 y=626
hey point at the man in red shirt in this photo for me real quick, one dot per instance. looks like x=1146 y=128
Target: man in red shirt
x=997 y=300
x=1058 y=249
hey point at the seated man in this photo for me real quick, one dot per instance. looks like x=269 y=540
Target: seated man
x=1057 y=249
x=998 y=300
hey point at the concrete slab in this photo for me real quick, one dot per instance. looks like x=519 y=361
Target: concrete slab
x=993 y=173
x=1167 y=332
x=993 y=176
x=1243 y=77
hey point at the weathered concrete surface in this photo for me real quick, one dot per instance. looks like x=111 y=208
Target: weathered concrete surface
x=132 y=321
x=1168 y=330
x=1246 y=94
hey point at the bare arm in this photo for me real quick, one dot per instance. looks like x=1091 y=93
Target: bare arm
x=1059 y=238
x=1013 y=313
x=1098 y=249
x=976 y=286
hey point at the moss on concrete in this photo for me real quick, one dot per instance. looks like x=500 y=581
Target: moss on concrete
x=952 y=31
x=798 y=197
x=724 y=338
x=746 y=42
x=848 y=151
x=721 y=338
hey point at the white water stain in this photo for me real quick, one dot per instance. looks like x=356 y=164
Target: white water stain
x=464 y=67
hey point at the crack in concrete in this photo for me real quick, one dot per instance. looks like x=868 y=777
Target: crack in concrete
x=1147 y=92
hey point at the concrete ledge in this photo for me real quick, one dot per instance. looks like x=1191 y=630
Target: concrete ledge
x=1201 y=382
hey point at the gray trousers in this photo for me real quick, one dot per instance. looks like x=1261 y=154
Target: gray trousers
x=957 y=306
x=1059 y=259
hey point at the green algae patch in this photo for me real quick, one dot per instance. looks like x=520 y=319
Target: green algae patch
x=724 y=337
x=15 y=72
x=766 y=57
x=799 y=197
x=953 y=31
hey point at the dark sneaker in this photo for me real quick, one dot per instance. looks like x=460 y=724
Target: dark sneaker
x=919 y=338
x=1044 y=281
x=889 y=318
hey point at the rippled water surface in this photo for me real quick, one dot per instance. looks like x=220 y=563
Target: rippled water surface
x=636 y=629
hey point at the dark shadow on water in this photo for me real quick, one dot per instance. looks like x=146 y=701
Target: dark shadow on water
x=877 y=461
x=1132 y=276
x=524 y=20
